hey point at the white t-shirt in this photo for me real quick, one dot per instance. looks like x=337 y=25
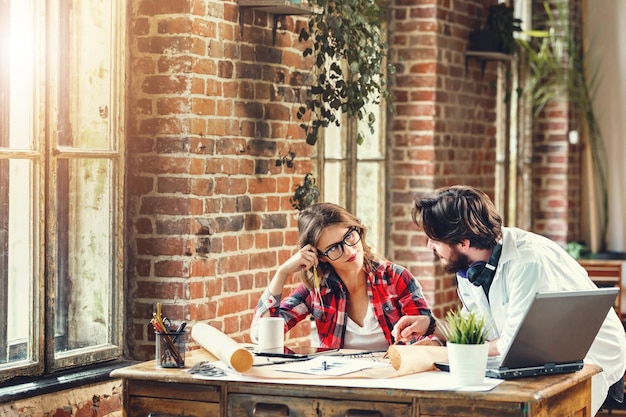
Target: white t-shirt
x=368 y=337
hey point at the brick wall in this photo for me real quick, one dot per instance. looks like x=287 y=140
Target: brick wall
x=95 y=400
x=210 y=109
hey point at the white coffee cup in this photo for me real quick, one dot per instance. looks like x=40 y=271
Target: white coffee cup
x=269 y=334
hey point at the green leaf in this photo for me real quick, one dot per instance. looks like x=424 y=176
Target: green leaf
x=464 y=327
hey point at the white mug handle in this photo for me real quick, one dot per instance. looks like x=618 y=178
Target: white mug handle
x=254 y=331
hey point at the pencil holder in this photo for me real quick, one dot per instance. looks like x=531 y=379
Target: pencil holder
x=170 y=349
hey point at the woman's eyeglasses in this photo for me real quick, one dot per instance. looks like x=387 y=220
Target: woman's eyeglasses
x=350 y=239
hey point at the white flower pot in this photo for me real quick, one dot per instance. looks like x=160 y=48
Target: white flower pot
x=468 y=363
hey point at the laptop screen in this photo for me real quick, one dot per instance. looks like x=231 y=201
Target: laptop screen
x=559 y=327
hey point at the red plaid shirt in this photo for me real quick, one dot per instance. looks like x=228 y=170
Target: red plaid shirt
x=393 y=292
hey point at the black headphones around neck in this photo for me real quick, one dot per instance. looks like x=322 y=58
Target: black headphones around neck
x=482 y=273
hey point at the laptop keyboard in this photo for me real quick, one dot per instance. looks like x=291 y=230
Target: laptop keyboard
x=494 y=362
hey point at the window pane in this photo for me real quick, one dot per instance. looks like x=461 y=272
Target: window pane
x=334 y=141
x=87 y=86
x=18 y=223
x=372 y=146
x=370 y=203
x=20 y=64
x=85 y=248
x=334 y=183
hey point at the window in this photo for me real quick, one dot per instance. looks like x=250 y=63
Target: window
x=61 y=172
x=354 y=175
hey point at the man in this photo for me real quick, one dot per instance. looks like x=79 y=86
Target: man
x=499 y=270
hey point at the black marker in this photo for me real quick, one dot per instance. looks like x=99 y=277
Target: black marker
x=179 y=330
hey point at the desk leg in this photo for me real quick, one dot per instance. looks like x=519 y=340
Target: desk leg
x=574 y=402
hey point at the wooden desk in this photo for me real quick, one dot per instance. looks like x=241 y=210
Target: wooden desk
x=606 y=273
x=149 y=391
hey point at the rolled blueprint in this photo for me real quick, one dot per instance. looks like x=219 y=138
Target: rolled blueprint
x=222 y=346
x=415 y=358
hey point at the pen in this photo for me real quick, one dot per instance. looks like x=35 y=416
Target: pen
x=282 y=362
x=359 y=353
x=395 y=343
x=179 y=330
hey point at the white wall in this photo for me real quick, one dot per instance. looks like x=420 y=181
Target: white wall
x=607 y=39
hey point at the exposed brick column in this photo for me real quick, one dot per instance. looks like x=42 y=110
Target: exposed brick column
x=444 y=129
x=557 y=163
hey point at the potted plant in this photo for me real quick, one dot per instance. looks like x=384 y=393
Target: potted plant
x=497 y=33
x=466 y=334
x=559 y=67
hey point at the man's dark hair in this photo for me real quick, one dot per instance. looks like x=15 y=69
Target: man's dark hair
x=457 y=213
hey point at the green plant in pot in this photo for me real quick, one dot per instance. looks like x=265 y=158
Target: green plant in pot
x=559 y=68
x=497 y=33
x=465 y=328
x=466 y=334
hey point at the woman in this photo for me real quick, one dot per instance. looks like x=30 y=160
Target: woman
x=354 y=298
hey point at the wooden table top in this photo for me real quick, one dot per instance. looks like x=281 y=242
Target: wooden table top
x=515 y=390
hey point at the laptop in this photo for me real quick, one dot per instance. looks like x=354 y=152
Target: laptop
x=555 y=334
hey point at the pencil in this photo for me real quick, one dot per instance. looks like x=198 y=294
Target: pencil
x=396 y=342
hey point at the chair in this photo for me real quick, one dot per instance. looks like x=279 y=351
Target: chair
x=606 y=273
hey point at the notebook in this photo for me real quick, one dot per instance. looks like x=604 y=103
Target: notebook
x=555 y=334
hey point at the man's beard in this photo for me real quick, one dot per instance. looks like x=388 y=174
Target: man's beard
x=456 y=262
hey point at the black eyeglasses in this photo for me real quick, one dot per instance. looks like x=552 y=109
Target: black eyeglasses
x=350 y=239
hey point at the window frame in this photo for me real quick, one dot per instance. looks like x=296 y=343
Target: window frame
x=50 y=34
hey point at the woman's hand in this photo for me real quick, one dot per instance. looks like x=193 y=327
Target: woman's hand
x=305 y=258
x=410 y=327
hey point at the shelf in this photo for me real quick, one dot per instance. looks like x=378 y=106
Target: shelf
x=489 y=56
x=281 y=7
x=275 y=7
x=484 y=56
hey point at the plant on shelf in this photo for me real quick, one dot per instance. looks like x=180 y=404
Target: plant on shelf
x=497 y=33
x=559 y=68
x=349 y=71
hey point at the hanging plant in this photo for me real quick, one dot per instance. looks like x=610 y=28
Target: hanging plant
x=348 y=72
x=559 y=67
x=306 y=194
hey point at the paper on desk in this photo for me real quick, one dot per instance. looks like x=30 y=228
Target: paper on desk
x=331 y=366
x=422 y=381
x=223 y=347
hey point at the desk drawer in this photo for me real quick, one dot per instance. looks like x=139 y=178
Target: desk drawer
x=158 y=399
x=157 y=407
x=243 y=405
